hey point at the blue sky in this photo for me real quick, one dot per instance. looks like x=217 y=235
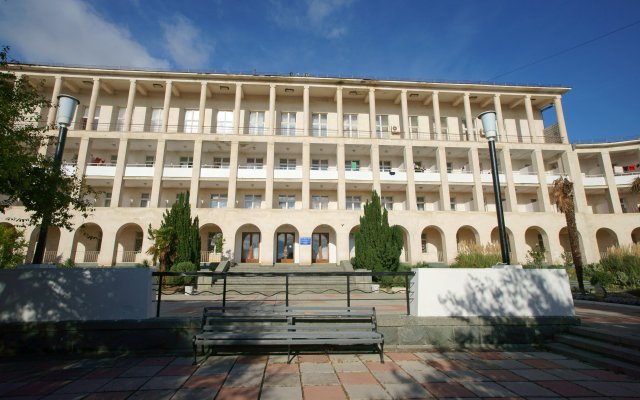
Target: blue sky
x=421 y=40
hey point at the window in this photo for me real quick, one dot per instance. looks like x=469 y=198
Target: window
x=256 y=123
x=385 y=166
x=252 y=200
x=137 y=245
x=177 y=198
x=288 y=164
x=319 y=202
x=319 y=165
x=623 y=205
x=540 y=242
x=420 y=203
x=212 y=238
x=286 y=201
x=191 y=118
x=352 y=165
x=350 y=125
x=387 y=202
x=218 y=200
x=353 y=203
x=382 y=125
x=465 y=129
x=113 y=160
x=319 y=124
x=225 y=122
x=149 y=161
x=144 y=200
x=107 y=199
x=85 y=117
x=423 y=240
x=221 y=162
x=449 y=167
x=254 y=163
x=120 y=120
x=186 y=162
x=156 y=120
x=417 y=166
x=444 y=125
x=452 y=203
x=413 y=124
x=288 y=124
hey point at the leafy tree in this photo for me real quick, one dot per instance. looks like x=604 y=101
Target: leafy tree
x=562 y=196
x=12 y=247
x=378 y=245
x=635 y=185
x=49 y=195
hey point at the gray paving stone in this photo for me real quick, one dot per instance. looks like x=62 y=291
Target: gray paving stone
x=393 y=377
x=195 y=394
x=545 y=355
x=535 y=375
x=152 y=395
x=313 y=368
x=350 y=367
x=569 y=374
x=456 y=355
x=123 y=384
x=432 y=375
x=609 y=388
x=372 y=358
x=430 y=356
x=407 y=391
x=82 y=386
x=344 y=358
x=487 y=389
x=281 y=380
x=281 y=393
x=320 y=379
x=414 y=366
x=164 y=382
x=505 y=364
x=466 y=376
x=182 y=361
x=244 y=378
x=277 y=359
x=573 y=364
x=366 y=392
x=528 y=389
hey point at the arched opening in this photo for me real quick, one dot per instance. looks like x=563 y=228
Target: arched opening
x=536 y=238
x=129 y=244
x=495 y=238
x=287 y=246
x=352 y=241
x=51 y=248
x=563 y=236
x=406 y=251
x=323 y=245
x=432 y=239
x=247 y=244
x=211 y=241
x=466 y=234
x=606 y=238
x=87 y=243
x=635 y=236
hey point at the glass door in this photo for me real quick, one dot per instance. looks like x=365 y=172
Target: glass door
x=250 y=247
x=285 y=242
x=320 y=248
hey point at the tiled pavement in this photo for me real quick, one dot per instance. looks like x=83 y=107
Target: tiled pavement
x=403 y=375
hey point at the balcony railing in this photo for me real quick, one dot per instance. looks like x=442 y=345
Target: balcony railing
x=87 y=256
x=130 y=256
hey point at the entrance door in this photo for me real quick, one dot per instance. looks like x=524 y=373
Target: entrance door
x=250 y=247
x=285 y=242
x=320 y=248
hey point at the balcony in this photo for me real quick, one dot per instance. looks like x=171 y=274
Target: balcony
x=331 y=173
x=145 y=170
x=593 y=180
x=427 y=175
x=69 y=169
x=177 y=171
x=287 y=172
x=211 y=171
x=460 y=176
x=626 y=178
x=251 y=172
x=525 y=177
x=551 y=176
x=487 y=177
x=362 y=174
x=101 y=169
x=394 y=175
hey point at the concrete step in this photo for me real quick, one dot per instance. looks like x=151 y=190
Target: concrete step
x=603 y=333
x=595 y=359
x=622 y=353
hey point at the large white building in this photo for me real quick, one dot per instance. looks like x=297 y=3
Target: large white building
x=282 y=165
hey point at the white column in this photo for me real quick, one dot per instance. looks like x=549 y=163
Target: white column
x=165 y=107
x=306 y=166
x=543 y=189
x=51 y=116
x=557 y=104
x=372 y=115
x=117 y=180
x=502 y=132
x=478 y=197
x=305 y=111
x=404 y=106
x=436 y=114
x=233 y=174
x=530 y=121
x=195 y=174
x=83 y=152
x=342 y=190
x=95 y=90
x=272 y=109
x=441 y=159
x=507 y=171
x=411 y=185
x=202 y=106
x=572 y=168
x=236 y=109
x=340 y=112
x=268 y=191
x=468 y=117
x=375 y=167
x=129 y=111
x=158 y=167
x=610 y=179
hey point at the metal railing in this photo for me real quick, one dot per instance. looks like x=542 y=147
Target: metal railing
x=219 y=285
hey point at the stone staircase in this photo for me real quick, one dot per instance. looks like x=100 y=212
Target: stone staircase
x=270 y=285
x=599 y=346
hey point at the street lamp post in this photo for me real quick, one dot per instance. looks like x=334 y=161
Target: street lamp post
x=66 y=108
x=488 y=119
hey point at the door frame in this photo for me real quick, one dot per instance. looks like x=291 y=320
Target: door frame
x=293 y=247
x=313 y=238
x=243 y=256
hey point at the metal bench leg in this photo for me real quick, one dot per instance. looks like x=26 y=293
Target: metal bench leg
x=195 y=351
x=288 y=354
x=382 y=353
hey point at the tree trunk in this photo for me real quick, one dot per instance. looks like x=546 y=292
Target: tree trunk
x=574 y=243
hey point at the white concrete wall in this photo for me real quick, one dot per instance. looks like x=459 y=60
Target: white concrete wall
x=75 y=294
x=511 y=292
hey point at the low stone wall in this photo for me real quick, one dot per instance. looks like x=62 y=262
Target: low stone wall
x=174 y=334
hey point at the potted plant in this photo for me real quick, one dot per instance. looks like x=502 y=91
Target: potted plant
x=186 y=281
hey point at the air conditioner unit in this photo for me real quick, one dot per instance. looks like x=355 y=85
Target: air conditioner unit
x=395 y=129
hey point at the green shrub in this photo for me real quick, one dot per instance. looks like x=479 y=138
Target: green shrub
x=535 y=258
x=185 y=266
x=624 y=265
x=390 y=281
x=596 y=273
x=68 y=263
x=471 y=255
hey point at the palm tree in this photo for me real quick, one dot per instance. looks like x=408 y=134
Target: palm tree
x=163 y=248
x=562 y=196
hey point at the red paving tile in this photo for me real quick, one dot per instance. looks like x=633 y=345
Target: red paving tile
x=488 y=355
x=604 y=375
x=177 y=370
x=447 y=389
x=382 y=367
x=239 y=393
x=38 y=388
x=313 y=358
x=402 y=356
x=106 y=373
x=205 y=381
x=357 y=378
x=323 y=393
x=282 y=369
x=540 y=363
x=568 y=389
x=156 y=361
x=252 y=359
x=500 y=375
x=447 y=365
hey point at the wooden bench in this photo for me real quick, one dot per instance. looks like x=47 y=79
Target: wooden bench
x=288 y=326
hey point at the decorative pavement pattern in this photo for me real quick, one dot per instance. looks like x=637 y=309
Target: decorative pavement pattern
x=403 y=375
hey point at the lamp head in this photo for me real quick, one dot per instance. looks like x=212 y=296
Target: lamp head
x=488 y=119
x=66 y=108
